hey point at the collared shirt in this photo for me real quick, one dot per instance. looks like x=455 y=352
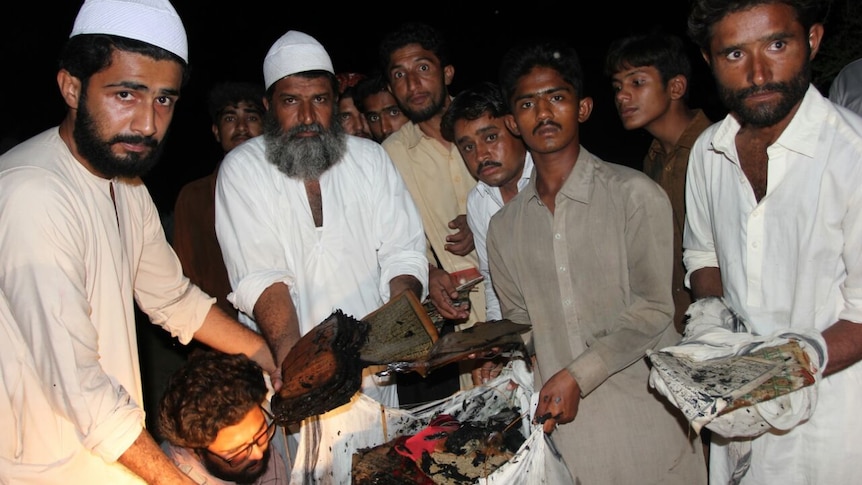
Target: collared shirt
x=593 y=280
x=846 y=88
x=75 y=249
x=439 y=181
x=668 y=169
x=371 y=233
x=790 y=261
x=483 y=202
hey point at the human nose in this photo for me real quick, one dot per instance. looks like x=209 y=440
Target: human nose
x=306 y=113
x=258 y=450
x=760 y=70
x=543 y=110
x=483 y=152
x=144 y=121
x=622 y=95
x=242 y=125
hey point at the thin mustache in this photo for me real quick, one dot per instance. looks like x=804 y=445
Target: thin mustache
x=545 y=123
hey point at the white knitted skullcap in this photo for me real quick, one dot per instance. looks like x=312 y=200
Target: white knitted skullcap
x=152 y=21
x=292 y=53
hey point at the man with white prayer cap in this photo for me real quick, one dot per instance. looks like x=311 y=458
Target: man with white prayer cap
x=311 y=220
x=80 y=243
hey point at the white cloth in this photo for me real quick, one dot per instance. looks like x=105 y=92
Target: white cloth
x=710 y=335
x=846 y=88
x=294 y=52
x=152 y=21
x=483 y=202
x=70 y=265
x=371 y=233
x=789 y=263
x=381 y=424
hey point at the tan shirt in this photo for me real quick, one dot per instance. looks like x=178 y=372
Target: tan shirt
x=668 y=169
x=439 y=181
x=593 y=279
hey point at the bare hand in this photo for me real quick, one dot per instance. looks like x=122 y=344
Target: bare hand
x=460 y=243
x=441 y=291
x=486 y=370
x=558 y=401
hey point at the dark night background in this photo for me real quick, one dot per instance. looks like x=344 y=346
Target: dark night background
x=229 y=42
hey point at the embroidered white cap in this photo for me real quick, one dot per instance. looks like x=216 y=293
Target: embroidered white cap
x=292 y=53
x=155 y=22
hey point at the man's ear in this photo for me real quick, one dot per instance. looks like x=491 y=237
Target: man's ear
x=448 y=74
x=677 y=86
x=585 y=109
x=510 y=124
x=70 y=88
x=815 y=36
x=705 y=56
x=216 y=134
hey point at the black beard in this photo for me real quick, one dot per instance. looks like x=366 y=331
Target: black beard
x=305 y=158
x=767 y=114
x=426 y=113
x=220 y=469
x=98 y=152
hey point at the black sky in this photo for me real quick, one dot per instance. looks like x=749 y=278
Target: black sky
x=229 y=42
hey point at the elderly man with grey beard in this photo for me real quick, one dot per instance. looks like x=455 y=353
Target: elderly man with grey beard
x=311 y=219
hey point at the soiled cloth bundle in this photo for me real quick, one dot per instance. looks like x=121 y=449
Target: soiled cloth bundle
x=736 y=383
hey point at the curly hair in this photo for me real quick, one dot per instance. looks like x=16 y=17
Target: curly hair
x=706 y=13
x=471 y=104
x=211 y=391
x=413 y=33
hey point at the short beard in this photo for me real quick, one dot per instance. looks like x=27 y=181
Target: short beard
x=304 y=158
x=220 y=470
x=767 y=114
x=98 y=152
x=435 y=108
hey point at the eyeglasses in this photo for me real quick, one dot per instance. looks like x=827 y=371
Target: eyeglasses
x=260 y=441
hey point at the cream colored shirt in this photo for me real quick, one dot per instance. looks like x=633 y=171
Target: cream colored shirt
x=439 y=181
x=71 y=262
x=790 y=261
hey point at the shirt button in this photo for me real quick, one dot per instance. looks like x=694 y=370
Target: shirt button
x=562 y=269
x=558 y=236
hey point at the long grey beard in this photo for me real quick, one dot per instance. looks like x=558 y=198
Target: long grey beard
x=305 y=158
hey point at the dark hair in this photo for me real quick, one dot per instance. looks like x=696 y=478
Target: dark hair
x=86 y=54
x=665 y=52
x=231 y=93
x=555 y=54
x=373 y=84
x=413 y=33
x=211 y=391
x=471 y=104
x=706 y=13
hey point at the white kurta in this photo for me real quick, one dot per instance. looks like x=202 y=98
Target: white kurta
x=791 y=261
x=371 y=233
x=483 y=202
x=70 y=264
